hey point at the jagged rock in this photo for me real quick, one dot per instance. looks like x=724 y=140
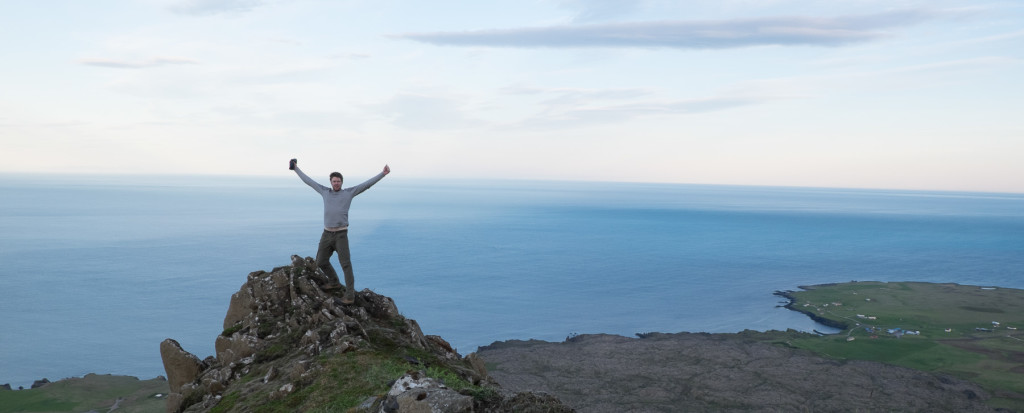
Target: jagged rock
x=6 y=386
x=379 y=306
x=443 y=346
x=478 y=367
x=416 y=336
x=182 y=369
x=40 y=383
x=282 y=332
x=181 y=366
x=236 y=347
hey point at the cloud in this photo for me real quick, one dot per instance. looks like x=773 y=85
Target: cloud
x=567 y=108
x=720 y=34
x=619 y=113
x=210 y=7
x=122 y=64
x=421 y=112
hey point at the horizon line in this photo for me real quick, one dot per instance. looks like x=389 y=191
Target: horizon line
x=94 y=175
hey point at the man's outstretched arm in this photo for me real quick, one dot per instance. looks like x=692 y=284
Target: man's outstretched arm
x=294 y=165
x=369 y=182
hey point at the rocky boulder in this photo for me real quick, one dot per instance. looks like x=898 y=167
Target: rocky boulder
x=414 y=393
x=182 y=369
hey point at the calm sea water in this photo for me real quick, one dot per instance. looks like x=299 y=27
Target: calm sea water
x=96 y=271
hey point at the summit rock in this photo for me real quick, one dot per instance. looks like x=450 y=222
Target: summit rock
x=289 y=343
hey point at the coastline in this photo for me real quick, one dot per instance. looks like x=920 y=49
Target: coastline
x=788 y=294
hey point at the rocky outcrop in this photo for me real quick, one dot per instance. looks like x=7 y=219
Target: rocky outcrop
x=414 y=393
x=283 y=339
x=182 y=369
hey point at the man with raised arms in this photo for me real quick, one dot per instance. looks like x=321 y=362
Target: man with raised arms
x=335 y=237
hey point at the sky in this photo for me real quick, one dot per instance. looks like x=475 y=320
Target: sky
x=900 y=94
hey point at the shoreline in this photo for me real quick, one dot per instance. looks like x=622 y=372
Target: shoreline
x=788 y=294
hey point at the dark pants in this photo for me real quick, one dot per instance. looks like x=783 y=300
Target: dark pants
x=329 y=243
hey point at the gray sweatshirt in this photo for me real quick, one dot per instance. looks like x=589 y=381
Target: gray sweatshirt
x=336 y=203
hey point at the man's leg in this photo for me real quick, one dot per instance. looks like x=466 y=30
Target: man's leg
x=323 y=257
x=345 y=257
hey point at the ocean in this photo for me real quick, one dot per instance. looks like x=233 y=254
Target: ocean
x=96 y=271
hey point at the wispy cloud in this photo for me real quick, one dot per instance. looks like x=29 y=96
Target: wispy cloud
x=720 y=34
x=210 y=7
x=566 y=108
x=576 y=116
x=125 y=64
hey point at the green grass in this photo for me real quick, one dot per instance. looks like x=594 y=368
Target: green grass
x=92 y=392
x=947 y=316
x=348 y=379
x=226 y=403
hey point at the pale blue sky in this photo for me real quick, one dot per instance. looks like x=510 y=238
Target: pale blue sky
x=908 y=94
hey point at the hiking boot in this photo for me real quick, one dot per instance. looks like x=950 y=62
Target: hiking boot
x=349 y=298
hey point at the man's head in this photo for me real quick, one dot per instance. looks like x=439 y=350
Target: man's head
x=336 y=180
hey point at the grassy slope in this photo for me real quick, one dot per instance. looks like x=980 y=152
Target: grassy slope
x=994 y=359
x=92 y=392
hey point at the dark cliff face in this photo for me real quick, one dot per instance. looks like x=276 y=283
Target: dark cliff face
x=289 y=345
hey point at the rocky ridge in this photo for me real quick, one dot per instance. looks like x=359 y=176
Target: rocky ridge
x=289 y=345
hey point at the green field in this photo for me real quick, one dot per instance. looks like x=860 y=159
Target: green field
x=90 y=393
x=967 y=331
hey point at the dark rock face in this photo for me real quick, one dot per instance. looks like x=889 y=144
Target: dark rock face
x=716 y=372
x=40 y=383
x=281 y=325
